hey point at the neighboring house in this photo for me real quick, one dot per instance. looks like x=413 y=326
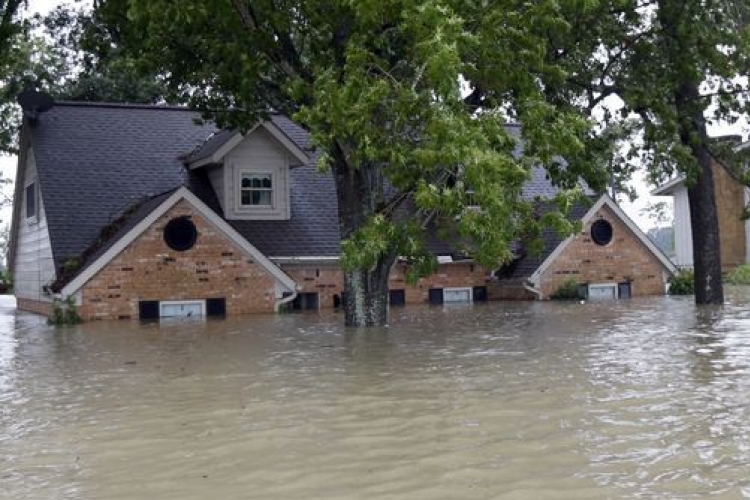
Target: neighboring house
x=734 y=232
x=145 y=212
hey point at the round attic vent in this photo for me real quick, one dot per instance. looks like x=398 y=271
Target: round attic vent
x=601 y=232
x=180 y=234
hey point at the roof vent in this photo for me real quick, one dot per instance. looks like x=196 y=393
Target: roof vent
x=34 y=102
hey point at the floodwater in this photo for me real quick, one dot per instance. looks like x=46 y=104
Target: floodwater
x=633 y=399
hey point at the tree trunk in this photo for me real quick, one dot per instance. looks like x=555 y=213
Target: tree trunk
x=366 y=296
x=360 y=192
x=704 y=220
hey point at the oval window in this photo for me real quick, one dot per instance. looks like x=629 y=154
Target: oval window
x=601 y=232
x=180 y=234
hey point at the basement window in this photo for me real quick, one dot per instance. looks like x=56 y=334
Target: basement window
x=306 y=302
x=170 y=309
x=457 y=295
x=603 y=291
x=397 y=297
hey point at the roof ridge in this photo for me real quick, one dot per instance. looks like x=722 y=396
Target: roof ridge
x=135 y=105
x=126 y=105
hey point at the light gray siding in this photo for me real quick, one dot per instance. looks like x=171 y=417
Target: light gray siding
x=33 y=267
x=259 y=152
x=683 y=233
x=216 y=177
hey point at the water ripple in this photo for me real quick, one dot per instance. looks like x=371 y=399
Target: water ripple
x=637 y=399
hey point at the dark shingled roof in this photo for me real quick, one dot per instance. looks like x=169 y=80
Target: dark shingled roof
x=98 y=161
x=313 y=228
x=525 y=266
x=210 y=146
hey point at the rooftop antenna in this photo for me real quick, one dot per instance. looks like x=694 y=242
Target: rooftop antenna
x=34 y=102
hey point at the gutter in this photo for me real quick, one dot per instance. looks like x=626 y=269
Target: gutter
x=303 y=260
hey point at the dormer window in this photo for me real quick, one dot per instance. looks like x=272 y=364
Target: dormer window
x=256 y=190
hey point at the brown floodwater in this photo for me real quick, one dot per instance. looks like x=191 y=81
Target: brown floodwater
x=633 y=399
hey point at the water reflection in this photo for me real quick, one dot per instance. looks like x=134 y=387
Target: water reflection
x=530 y=400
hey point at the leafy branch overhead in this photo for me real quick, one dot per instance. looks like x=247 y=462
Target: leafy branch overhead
x=671 y=68
x=408 y=102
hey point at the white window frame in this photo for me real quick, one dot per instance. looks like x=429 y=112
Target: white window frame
x=35 y=217
x=241 y=173
x=459 y=289
x=611 y=285
x=162 y=303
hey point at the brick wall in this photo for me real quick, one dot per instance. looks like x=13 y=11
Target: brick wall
x=35 y=306
x=455 y=275
x=507 y=289
x=730 y=201
x=149 y=270
x=324 y=279
x=625 y=258
x=327 y=280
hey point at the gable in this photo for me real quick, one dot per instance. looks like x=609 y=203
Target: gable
x=253 y=182
x=146 y=224
x=31 y=262
x=161 y=265
x=605 y=205
x=96 y=161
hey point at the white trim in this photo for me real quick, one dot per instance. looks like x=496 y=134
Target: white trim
x=162 y=303
x=220 y=153
x=237 y=138
x=667 y=188
x=211 y=216
x=601 y=202
x=459 y=289
x=239 y=173
x=744 y=145
x=610 y=285
x=304 y=259
x=290 y=146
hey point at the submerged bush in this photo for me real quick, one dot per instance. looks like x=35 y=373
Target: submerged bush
x=682 y=284
x=64 y=312
x=570 y=290
x=739 y=276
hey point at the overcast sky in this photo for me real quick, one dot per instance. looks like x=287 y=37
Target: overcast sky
x=8 y=164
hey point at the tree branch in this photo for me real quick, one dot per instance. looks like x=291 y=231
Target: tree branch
x=280 y=51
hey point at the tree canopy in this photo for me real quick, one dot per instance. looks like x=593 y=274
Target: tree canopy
x=71 y=55
x=408 y=102
x=658 y=73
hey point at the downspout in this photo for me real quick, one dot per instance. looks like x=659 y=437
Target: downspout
x=285 y=300
x=528 y=285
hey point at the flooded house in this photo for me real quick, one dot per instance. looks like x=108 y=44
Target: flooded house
x=732 y=196
x=143 y=212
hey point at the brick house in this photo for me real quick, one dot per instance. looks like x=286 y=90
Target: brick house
x=731 y=199
x=146 y=212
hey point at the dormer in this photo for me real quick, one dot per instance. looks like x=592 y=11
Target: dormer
x=250 y=172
